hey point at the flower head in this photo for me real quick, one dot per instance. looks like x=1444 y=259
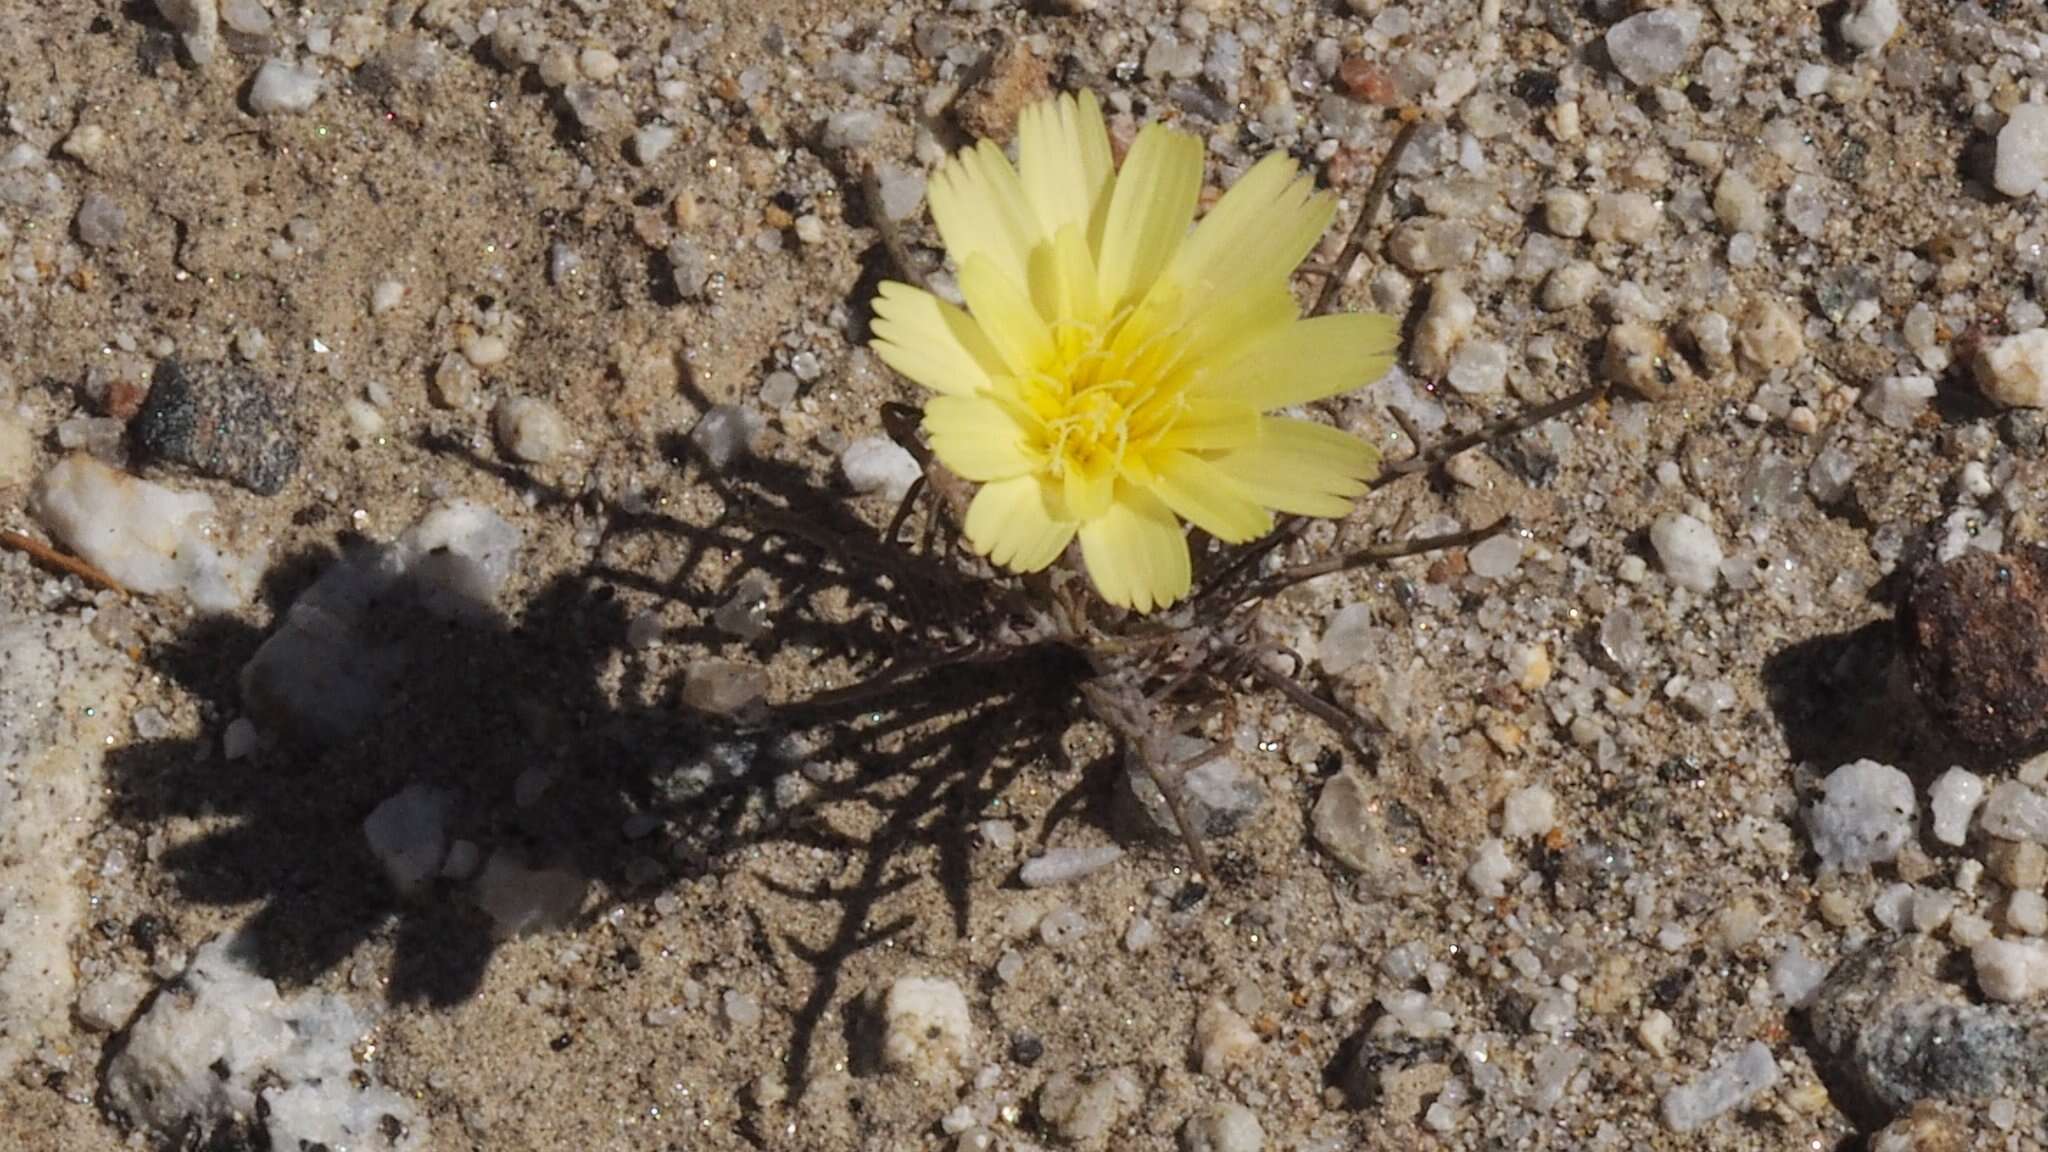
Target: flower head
x=1113 y=372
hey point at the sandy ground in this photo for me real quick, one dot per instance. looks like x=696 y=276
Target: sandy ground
x=718 y=988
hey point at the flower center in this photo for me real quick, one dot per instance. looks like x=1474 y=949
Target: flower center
x=1104 y=393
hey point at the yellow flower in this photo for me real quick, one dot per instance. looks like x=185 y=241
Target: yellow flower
x=1112 y=373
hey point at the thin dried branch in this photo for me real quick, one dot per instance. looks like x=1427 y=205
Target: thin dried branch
x=49 y=557
x=1121 y=706
x=1375 y=194
x=1378 y=554
x=1498 y=430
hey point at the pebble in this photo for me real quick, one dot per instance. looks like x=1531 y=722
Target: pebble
x=218 y=420
x=1349 y=824
x=1427 y=245
x=323 y=674
x=1444 y=323
x=101 y=222
x=197 y=23
x=900 y=190
x=1478 y=368
x=739 y=1009
x=248 y=17
x=1624 y=217
x=1866 y=815
x=109 y=1002
x=1649 y=46
x=1769 y=337
x=1528 y=813
x=2027 y=912
x=239 y=739
x=484 y=349
x=1223 y=1039
x=689 y=270
x=1569 y=285
x=1688 y=550
x=1060 y=928
x=1796 y=976
x=1898 y=401
x=2016 y=811
x=1219 y=796
x=1868 y=25
x=149 y=538
x=2021 y=167
x=1085 y=1110
x=529 y=429
x=2019 y=865
x=1067 y=865
x=519 y=899
x=17 y=451
x=1953 y=801
x=1227 y=1127
x=1566 y=212
x=652 y=140
x=1738 y=204
x=1496 y=557
x=1633 y=358
x=408 y=835
x=2012 y=372
x=282 y=86
x=1976 y=632
x=1491 y=869
x=877 y=465
x=385 y=296
x=2011 y=971
x=455 y=383
x=725 y=688
x=926 y=1030
x=598 y=65
x=726 y=432
x=1730 y=1085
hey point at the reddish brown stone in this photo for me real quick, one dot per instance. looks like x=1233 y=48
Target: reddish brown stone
x=1364 y=80
x=1016 y=78
x=1976 y=630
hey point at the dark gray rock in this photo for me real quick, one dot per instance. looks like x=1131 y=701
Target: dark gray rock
x=218 y=420
x=1891 y=1034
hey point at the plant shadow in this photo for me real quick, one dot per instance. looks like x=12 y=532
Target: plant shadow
x=561 y=751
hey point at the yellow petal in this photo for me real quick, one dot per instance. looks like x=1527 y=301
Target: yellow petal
x=932 y=342
x=1006 y=315
x=1239 y=319
x=1209 y=424
x=1301 y=467
x=1063 y=279
x=1308 y=360
x=1136 y=552
x=1149 y=211
x=1207 y=498
x=1257 y=232
x=980 y=209
x=1064 y=161
x=1089 y=487
x=978 y=439
x=1018 y=523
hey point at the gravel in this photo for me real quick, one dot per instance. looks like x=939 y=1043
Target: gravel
x=1688 y=550
x=2022 y=160
x=281 y=86
x=2012 y=371
x=926 y=1030
x=1730 y=1085
x=1650 y=46
x=1866 y=814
